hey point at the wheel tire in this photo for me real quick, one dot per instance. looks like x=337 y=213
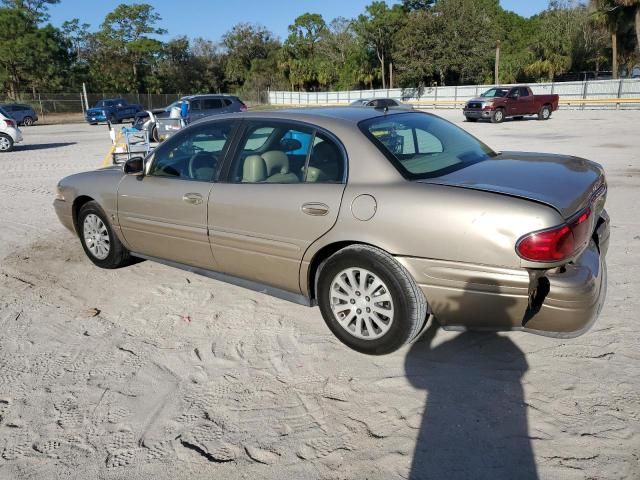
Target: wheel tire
x=154 y=134
x=544 y=113
x=6 y=143
x=27 y=121
x=118 y=256
x=409 y=306
x=471 y=119
x=113 y=120
x=497 y=116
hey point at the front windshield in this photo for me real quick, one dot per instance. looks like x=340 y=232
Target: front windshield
x=495 y=92
x=424 y=146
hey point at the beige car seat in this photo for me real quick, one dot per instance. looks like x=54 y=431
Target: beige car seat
x=278 y=168
x=254 y=169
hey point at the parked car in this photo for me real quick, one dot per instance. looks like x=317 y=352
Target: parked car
x=380 y=103
x=383 y=219
x=499 y=103
x=113 y=110
x=23 y=114
x=199 y=106
x=10 y=134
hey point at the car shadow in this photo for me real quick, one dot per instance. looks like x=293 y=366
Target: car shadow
x=475 y=420
x=41 y=146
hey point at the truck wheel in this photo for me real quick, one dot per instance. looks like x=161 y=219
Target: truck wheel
x=369 y=301
x=544 y=113
x=497 y=116
x=471 y=119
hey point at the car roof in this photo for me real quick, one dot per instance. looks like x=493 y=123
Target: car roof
x=323 y=116
x=206 y=95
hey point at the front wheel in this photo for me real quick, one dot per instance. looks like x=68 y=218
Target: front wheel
x=497 y=116
x=544 y=113
x=99 y=241
x=369 y=301
x=6 y=143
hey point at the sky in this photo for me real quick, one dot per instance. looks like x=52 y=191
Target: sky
x=212 y=18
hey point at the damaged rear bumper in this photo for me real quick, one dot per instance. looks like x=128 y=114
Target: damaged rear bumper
x=477 y=297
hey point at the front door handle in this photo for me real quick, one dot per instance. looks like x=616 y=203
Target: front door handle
x=192 y=198
x=315 y=209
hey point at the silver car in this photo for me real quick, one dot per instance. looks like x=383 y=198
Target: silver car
x=383 y=219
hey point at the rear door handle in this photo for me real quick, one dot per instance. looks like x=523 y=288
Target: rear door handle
x=192 y=198
x=315 y=209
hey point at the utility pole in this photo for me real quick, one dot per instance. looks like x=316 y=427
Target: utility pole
x=497 y=69
x=390 y=74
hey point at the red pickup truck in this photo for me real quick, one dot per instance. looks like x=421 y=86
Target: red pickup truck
x=499 y=103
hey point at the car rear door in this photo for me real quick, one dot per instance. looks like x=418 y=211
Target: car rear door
x=525 y=102
x=163 y=214
x=275 y=201
x=211 y=106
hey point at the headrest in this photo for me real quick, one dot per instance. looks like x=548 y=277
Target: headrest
x=254 y=169
x=277 y=162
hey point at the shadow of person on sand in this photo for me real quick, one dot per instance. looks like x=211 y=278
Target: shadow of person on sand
x=475 y=423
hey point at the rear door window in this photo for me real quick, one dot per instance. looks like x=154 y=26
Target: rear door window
x=211 y=103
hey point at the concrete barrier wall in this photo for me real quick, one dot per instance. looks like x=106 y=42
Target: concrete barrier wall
x=623 y=93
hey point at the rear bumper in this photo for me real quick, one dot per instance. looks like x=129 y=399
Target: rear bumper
x=476 y=297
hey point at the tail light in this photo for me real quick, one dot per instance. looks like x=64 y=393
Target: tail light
x=9 y=123
x=556 y=244
x=243 y=107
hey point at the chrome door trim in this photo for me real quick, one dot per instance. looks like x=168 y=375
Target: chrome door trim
x=240 y=282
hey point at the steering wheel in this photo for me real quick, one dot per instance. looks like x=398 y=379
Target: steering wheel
x=209 y=159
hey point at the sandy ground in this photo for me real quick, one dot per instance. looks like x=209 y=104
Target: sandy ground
x=149 y=372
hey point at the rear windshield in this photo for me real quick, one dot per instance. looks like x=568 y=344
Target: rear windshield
x=424 y=146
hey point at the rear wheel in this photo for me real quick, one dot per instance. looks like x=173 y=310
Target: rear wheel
x=471 y=119
x=27 y=121
x=6 y=143
x=98 y=240
x=369 y=301
x=497 y=116
x=544 y=113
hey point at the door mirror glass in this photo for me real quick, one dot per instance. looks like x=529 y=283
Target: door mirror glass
x=134 y=166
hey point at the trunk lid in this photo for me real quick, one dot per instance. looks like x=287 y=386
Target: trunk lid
x=565 y=183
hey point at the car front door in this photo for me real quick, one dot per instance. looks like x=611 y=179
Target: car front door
x=163 y=214
x=282 y=192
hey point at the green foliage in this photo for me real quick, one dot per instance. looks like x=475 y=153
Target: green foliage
x=414 y=42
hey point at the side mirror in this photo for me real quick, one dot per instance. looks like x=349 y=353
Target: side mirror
x=134 y=166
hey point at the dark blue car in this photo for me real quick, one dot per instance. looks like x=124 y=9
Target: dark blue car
x=22 y=114
x=113 y=110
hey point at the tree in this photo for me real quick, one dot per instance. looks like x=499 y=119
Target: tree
x=377 y=28
x=415 y=5
x=124 y=39
x=300 y=47
x=245 y=43
x=30 y=56
x=35 y=10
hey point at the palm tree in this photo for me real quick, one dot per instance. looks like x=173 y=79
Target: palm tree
x=609 y=13
x=633 y=6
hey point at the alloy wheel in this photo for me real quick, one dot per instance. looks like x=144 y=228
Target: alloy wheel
x=361 y=303
x=5 y=144
x=96 y=236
